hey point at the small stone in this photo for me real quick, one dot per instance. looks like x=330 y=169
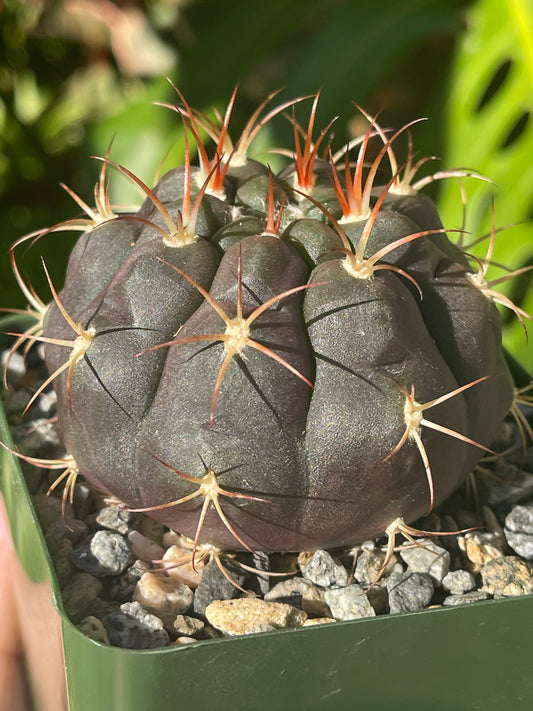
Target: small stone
x=262 y=568
x=300 y=593
x=173 y=538
x=506 y=485
x=121 y=586
x=107 y=554
x=322 y=569
x=163 y=596
x=377 y=596
x=314 y=602
x=215 y=586
x=185 y=640
x=519 y=530
x=427 y=557
x=311 y=622
x=409 y=591
x=143 y=547
x=480 y=547
x=46 y=404
x=349 y=603
x=369 y=563
x=114 y=518
x=13 y=365
x=178 y=564
x=38 y=437
x=466 y=598
x=457 y=582
x=249 y=615
x=520 y=519
x=60 y=549
x=521 y=543
x=188 y=626
x=289 y=591
x=80 y=596
x=135 y=628
x=507 y=577
x=16 y=401
x=49 y=510
x=94 y=628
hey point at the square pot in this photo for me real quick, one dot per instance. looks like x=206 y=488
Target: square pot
x=476 y=656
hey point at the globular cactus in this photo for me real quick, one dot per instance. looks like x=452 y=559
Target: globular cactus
x=275 y=363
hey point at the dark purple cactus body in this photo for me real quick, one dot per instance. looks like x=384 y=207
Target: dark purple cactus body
x=287 y=426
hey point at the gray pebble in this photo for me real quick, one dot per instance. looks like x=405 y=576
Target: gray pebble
x=409 y=591
x=80 y=596
x=46 y=404
x=121 y=586
x=15 y=401
x=108 y=553
x=466 y=598
x=215 y=586
x=16 y=367
x=520 y=519
x=369 y=563
x=519 y=530
x=349 y=603
x=261 y=563
x=114 y=518
x=38 y=436
x=322 y=569
x=60 y=549
x=135 y=628
x=427 y=557
x=521 y=543
x=507 y=485
x=457 y=582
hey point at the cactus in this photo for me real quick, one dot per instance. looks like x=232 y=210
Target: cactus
x=269 y=362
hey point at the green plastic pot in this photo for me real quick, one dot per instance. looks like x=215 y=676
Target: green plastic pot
x=476 y=656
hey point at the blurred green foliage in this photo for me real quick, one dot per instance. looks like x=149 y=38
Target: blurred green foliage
x=489 y=127
x=76 y=73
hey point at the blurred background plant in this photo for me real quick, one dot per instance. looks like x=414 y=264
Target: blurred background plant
x=76 y=73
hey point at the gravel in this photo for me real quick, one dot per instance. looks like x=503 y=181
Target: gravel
x=128 y=581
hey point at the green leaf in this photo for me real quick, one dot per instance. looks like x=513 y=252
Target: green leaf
x=490 y=129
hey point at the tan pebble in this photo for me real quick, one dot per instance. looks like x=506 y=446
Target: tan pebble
x=249 y=615
x=507 y=577
x=311 y=622
x=314 y=602
x=172 y=538
x=163 y=596
x=179 y=566
x=303 y=558
x=479 y=548
x=185 y=640
x=144 y=548
x=188 y=626
x=92 y=627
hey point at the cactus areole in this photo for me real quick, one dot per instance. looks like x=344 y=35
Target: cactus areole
x=274 y=363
